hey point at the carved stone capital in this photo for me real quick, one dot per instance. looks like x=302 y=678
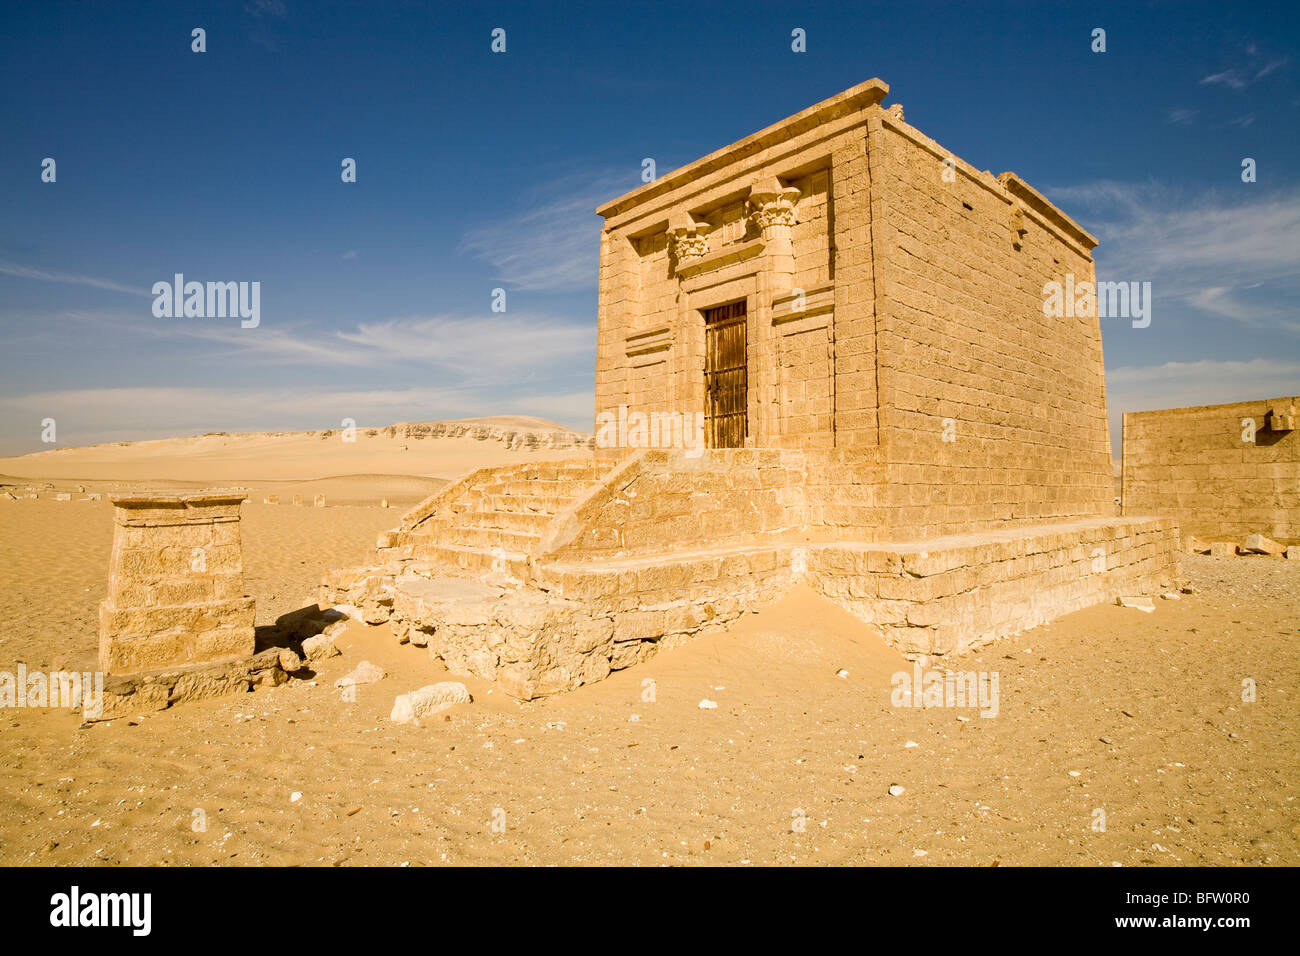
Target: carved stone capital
x=687 y=238
x=772 y=205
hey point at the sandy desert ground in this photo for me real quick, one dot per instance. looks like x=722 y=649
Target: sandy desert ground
x=1139 y=716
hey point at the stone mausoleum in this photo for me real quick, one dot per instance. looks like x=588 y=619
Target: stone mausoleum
x=855 y=317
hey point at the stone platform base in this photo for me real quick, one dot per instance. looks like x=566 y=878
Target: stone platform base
x=948 y=595
x=574 y=622
x=152 y=691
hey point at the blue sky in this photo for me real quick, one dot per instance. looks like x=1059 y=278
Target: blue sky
x=478 y=170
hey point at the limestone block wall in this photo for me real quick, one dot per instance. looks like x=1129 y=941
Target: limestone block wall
x=583 y=619
x=176 y=584
x=991 y=412
x=846 y=494
x=781 y=221
x=895 y=300
x=1223 y=471
x=661 y=502
x=949 y=595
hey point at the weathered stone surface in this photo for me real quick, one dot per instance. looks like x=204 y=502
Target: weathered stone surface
x=1224 y=471
x=150 y=691
x=175 y=593
x=427 y=701
x=363 y=673
x=290 y=662
x=1258 y=544
x=1223 y=549
x=320 y=646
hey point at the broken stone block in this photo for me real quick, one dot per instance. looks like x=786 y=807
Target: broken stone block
x=1138 y=603
x=1223 y=549
x=1293 y=552
x=152 y=691
x=1258 y=544
x=408 y=708
x=290 y=662
x=363 y=673
x=320 y=647
x=319 y=501
x=1195 y=545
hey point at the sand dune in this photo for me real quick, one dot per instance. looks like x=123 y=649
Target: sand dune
x=402 y=463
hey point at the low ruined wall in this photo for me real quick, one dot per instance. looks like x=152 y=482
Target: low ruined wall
x=582 y=621
x=578 y=620
x=949 y=595
x=1223 y=471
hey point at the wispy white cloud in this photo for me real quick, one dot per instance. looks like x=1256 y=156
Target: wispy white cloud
x=1254 y=68
x=1230 y=78
x=553 y=244
x=1205 y=382
x=1189 y=384
x=1271 y=66
x=496 y=341
x=1232 y=256
x=28 y=272
x=454 y=347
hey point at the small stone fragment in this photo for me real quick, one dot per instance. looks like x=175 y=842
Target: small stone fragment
x=429 y=700
x=319 y=647
x=363 y=673
x=1138 y=603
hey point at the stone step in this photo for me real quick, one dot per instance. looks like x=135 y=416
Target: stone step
x=581 y=474
x=523 y=522
x=552 y=487
x=528 y=522
x=473 y=560
x=527 y=504
x=487 y=538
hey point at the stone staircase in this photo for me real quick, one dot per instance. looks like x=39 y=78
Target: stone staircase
x=491 y=521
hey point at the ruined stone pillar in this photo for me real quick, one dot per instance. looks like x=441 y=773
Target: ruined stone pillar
x=176 y=583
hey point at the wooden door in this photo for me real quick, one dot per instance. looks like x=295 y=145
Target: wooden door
x=726 y=376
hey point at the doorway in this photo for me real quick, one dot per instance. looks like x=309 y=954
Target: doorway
x=726 y=376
